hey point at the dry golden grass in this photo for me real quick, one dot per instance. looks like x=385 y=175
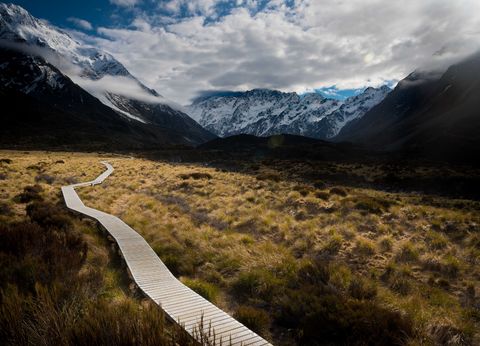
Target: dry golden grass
x=248 y=237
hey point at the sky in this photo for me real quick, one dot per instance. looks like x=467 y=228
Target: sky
x=186 y=49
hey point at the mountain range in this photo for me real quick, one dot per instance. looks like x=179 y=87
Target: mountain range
x=262 y=112
x=45 y=63
x=55 y=90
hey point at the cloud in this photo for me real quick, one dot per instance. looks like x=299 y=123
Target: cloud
x=285 y=45
x=62 y=64
x=125 y=3
x=83 y=24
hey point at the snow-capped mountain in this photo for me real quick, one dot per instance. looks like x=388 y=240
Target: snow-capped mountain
x=263 y=112
x=98 y=72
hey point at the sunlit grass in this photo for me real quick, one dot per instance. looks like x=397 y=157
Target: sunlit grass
x=234 y=232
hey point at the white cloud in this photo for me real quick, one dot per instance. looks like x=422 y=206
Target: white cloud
x=312 y=44
x=83 y=24
x=125 y=3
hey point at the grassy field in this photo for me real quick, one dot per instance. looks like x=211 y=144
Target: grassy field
x=61 y=282
x=297 y=263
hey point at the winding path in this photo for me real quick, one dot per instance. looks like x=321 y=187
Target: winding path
x=180 y=303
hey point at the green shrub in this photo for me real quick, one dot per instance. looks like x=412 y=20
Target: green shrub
x=320 y=312
x=48 y=215
x=255 y=320
x=442 y=282
x=320 y=185
x=302 y=187
x=247 y=283
x=272 y=177
x=172 y=261
x=451 y=265
x=8 y=161
x=339 y=190
x=30 y=193
x=205 y=289
x=333 y=244
x=247 y=240
x=360 y=288
x=401 y=285
x=386 y=243
x=322 y=195
x=407 y=252
x=195 y=176
x=372 y=205
x=314 y=273
x=5 y=209
x=365 y=246
x=49 y=179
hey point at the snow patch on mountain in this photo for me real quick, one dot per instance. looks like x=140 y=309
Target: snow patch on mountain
x=96 y=71
x=266 y=112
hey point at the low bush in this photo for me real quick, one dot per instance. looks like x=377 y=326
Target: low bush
x=30 y=193
x=333 y=244
x=386 y=243
x=5 y=209
x=8 y=161
x=322 y=195
x=49 y=179
x=272 y=177
x=195 y=176
x=175 y=200
x=255 y=167
x=407 y=252
x=60 y=161
x=365 y=246
x=3 y=176
x=320 y=185
x=362 y=289
x=303 y=189
x=48 y=215
x=321 y=312
x=372 y=205
x=442 y=282
x=255 y=320
x=71 y=180
x=207 y=290
x=339 y=190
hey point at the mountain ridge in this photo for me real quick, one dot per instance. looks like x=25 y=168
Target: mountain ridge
x=36 y=43
x=263 y=112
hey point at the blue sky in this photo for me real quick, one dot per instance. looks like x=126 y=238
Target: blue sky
x=187 y=48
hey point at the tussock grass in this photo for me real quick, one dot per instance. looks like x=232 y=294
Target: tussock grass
x=262 y=243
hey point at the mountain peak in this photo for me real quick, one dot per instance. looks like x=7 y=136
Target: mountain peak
x=264 y=112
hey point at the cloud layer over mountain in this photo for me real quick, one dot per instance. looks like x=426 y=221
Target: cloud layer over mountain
x=182 y=48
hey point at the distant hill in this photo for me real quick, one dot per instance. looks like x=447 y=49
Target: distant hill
x=291 y=147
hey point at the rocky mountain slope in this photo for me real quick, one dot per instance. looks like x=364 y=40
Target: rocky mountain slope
x=263 y=112
x=428 y=115
x=49 y=56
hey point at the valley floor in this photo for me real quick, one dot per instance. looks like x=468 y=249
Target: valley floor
x=296 y=262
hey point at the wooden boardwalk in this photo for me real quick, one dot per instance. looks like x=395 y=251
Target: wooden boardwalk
x=180 y=303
